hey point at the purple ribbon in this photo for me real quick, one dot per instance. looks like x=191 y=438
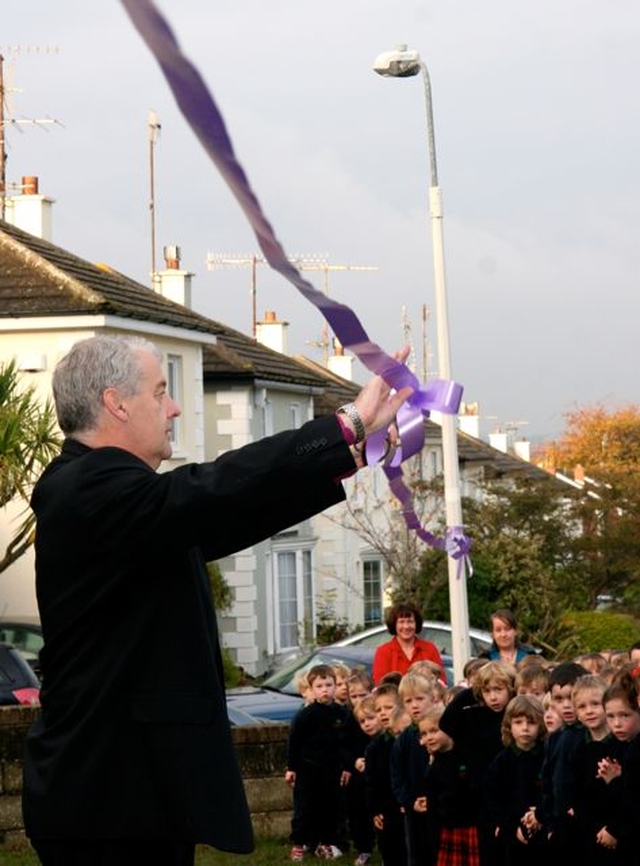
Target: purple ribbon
x=202 y=114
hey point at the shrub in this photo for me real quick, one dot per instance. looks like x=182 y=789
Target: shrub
x=593 y=631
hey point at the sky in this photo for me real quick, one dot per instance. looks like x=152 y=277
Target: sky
x=537 y=135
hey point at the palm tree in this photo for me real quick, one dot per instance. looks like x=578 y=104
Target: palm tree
x=29 y=440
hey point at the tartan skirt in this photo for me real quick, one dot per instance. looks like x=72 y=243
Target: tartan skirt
x=458 y=846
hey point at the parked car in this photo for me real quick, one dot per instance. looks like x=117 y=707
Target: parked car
x=25 y=634
x=439 y=633
x=277 y=698
x=18 y=682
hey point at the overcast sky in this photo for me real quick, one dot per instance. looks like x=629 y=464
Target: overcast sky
x=537 y=132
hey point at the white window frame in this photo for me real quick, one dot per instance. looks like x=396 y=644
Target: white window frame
x=368 y=563
x=304 y=619
x=175 y=391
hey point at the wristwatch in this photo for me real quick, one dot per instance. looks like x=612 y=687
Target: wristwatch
x=349 y=409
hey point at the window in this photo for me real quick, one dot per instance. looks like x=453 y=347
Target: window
x=295 y=416
x=294 y=608
x=372 y=591
x=174 y=387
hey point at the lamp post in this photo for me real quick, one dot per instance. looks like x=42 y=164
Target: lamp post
x=404 y=63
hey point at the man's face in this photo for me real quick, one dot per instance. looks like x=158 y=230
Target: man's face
x=149 y=414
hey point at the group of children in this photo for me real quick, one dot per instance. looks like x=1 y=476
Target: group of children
x=514 y=765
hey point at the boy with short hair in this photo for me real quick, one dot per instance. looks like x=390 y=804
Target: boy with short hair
x=316 y=768
x=409 y=762
x=385 y=811
x=532 y=679
x=560 y=746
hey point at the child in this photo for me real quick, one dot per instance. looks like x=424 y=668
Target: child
x=449 y=802
x=532 y=679
x=342 y=673
x=512 y=783
x=359 y=685
x=552 y=718
x=623 y=718
x=593 y=798
x=360 y=823
x=476 y=731
x=409 y=763
x=315 y=768
x=386 y=814
x=556 y=807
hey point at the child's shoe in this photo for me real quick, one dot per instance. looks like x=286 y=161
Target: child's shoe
x=362 y=859
x=297 y=853
x=328 y=852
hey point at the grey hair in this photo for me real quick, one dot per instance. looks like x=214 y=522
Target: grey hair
x=88 y=369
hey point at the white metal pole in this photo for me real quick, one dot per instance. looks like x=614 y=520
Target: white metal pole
x=461 y=649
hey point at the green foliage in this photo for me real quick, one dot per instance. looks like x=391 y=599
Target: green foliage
x=593 y=631
x=232 y=673
x=28 y=442
x=329 y=628
x=521 y=556
x=220 y=590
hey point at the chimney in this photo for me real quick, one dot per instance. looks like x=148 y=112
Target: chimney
x=469 y=419
x=500 y=441
x=174 y=283
x=522 y=449
x=272 y=333
x=31 y=211
x=339 y=363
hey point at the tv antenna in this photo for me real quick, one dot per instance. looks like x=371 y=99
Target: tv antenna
x=6 y=109
x=153 y=126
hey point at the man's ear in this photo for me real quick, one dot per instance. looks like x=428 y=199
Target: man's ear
x=113 y=403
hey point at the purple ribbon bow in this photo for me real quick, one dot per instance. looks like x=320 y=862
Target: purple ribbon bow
x=204 y=118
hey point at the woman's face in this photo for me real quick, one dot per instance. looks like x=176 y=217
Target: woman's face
x=406 y=627
x=503 y=634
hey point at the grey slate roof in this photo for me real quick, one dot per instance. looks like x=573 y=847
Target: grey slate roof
x=39 y=279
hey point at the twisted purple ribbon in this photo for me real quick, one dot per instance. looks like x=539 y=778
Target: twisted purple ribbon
x=202 y=114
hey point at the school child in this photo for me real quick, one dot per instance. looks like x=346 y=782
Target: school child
x=621 y=704
x=383 y=808
x=409 y=763
x=359 y=685
x=316 y=768
x=364 y=724
x=476 y=731
x=342 y=673
x=594 y=799
x=512 y=784
x=552 y=719
x=556 y=807
x=450 y=802
x=532 y=679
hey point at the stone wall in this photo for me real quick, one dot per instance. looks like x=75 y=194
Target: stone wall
x=261 y=753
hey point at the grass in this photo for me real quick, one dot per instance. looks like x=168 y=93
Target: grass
x=267 y=853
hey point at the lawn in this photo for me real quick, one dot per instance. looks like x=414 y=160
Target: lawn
x=267 y=853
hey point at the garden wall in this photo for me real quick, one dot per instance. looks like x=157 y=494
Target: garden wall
x=261 y=754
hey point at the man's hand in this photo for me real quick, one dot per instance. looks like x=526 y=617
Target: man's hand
x=376 y=405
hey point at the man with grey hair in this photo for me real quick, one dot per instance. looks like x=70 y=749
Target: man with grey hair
x=131 y=760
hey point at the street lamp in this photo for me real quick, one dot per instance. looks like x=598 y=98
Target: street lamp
x=405 y=63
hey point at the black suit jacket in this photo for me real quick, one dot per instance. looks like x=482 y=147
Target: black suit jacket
x=133 y=739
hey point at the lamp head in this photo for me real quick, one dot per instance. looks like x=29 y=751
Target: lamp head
x=399 y=63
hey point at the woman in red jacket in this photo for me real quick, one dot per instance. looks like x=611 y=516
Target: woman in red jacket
x=404 y=622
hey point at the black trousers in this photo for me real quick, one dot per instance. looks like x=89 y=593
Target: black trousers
x=109 y=852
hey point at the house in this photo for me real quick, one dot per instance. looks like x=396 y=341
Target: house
x=232 y=390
